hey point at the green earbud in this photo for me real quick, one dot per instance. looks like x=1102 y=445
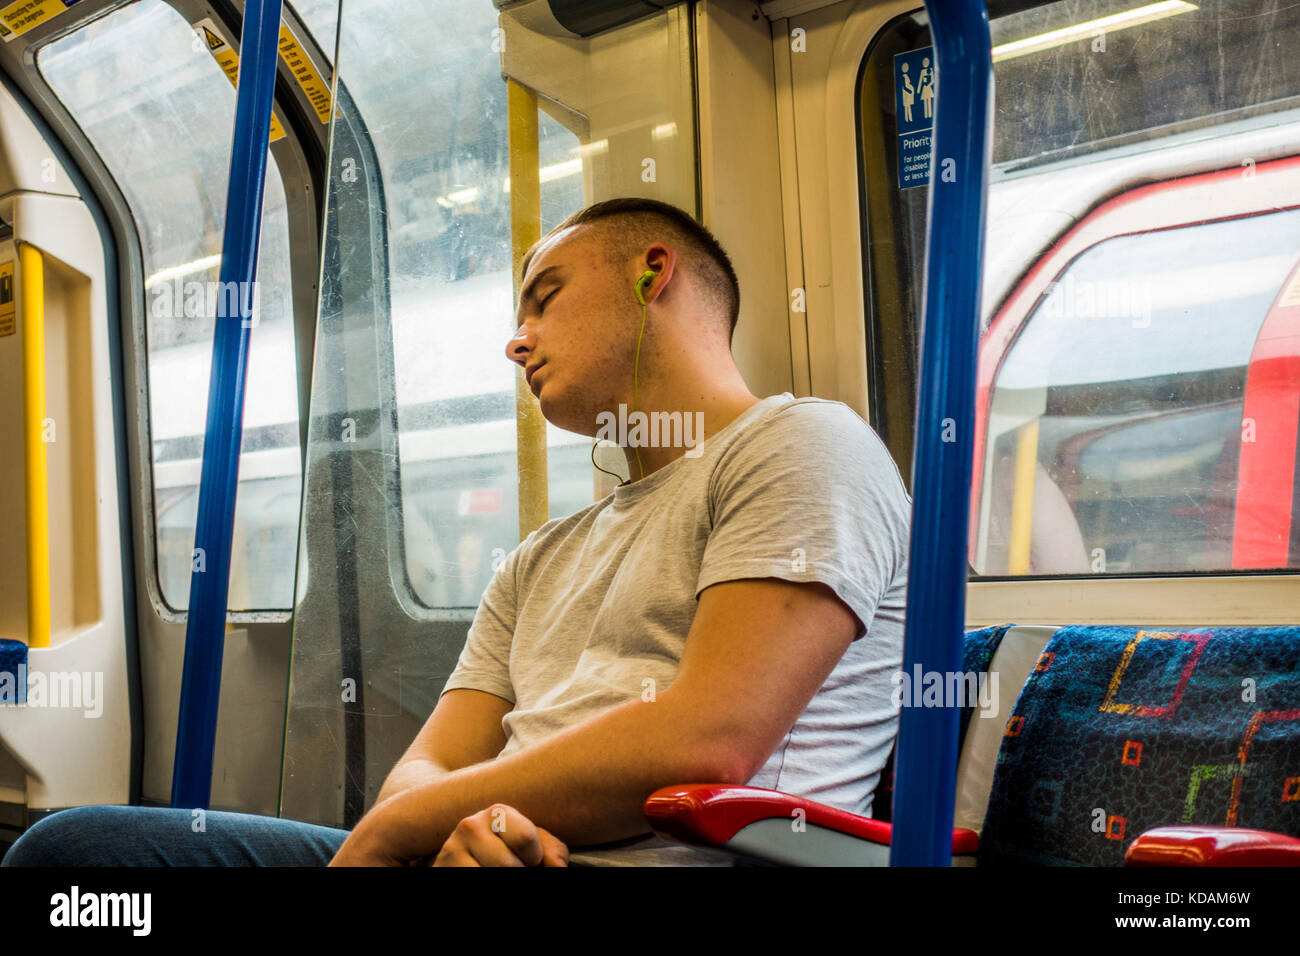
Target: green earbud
x=642 y=283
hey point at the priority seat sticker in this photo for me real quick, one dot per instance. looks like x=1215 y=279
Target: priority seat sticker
x=915 y=86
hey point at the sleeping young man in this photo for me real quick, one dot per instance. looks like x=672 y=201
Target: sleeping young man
x=733 y=613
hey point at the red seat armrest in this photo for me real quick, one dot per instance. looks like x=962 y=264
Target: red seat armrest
x=1212 y=846
x=708 y=814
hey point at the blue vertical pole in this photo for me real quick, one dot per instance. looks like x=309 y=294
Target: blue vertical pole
x=196 y=729
x=926 y=761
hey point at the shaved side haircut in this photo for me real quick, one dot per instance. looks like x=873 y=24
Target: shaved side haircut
x=629 y=225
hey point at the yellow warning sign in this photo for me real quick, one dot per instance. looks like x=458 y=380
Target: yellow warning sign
x=314 y=88
x=228 y=60
x=22 y=15
x=7 y=298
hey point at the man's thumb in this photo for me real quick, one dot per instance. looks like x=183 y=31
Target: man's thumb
x=554 y=852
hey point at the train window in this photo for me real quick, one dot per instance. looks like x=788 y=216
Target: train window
x=162 y=125
x=455 y=390
x=445 y=176
x=1111 y=423
x=1116 y=421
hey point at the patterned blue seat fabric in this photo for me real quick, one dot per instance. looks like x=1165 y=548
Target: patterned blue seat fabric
x=978 y=648
x=12 y=654
x=1121 y=729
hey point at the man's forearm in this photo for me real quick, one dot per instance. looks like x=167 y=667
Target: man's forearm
x=408 y=774
x=585 y=784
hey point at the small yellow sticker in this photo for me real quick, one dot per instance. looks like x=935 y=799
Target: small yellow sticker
x=7 y=298
x=22 y=15
x=314 y=88
x=228 y=60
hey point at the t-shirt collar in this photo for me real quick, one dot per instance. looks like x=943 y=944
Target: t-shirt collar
x=625 y=494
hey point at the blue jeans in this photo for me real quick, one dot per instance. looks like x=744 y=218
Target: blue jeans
x=163 y=836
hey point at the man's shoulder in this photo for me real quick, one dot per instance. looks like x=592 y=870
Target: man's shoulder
x=810 y=412
x=817 y=431
x=813 y=446
x=557 y=529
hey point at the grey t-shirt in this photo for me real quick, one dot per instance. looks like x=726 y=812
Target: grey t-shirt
x=589 y=606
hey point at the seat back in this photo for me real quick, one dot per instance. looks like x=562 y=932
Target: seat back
x=978 y=651
x=1014 y=658
x=1120 y=729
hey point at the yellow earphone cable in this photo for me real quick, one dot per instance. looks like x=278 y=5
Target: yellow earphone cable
x=636 y=369
x=611 y=474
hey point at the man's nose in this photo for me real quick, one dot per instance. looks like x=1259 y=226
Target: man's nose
x=520 y=346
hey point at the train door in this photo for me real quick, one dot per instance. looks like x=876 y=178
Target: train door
x=428 y=458
x=67 y=704
x=148 y=137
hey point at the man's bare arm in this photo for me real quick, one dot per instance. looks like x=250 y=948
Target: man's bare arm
x=464 y=729
x=757 y=652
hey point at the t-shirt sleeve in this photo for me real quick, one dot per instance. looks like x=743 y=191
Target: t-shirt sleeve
x=809 y=494
x=485 y=660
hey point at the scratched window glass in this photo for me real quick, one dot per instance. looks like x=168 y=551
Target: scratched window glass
x=446 y=189
x=162 y=125
x=445 y=176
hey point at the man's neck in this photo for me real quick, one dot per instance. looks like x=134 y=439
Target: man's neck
x=671 y=429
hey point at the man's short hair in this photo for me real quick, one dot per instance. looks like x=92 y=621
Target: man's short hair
x=644 y=221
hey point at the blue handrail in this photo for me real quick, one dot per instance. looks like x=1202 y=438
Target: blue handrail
x=926 y=761
x=196 y=729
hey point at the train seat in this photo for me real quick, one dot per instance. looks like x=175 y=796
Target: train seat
x=771 y=827
x=1120 y=730
x=1190 y=739
x=1008 y=652
x=1016 y=656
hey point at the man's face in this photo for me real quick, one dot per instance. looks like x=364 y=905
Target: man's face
x=575 y=339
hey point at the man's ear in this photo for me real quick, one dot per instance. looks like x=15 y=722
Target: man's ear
x=662 y=260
